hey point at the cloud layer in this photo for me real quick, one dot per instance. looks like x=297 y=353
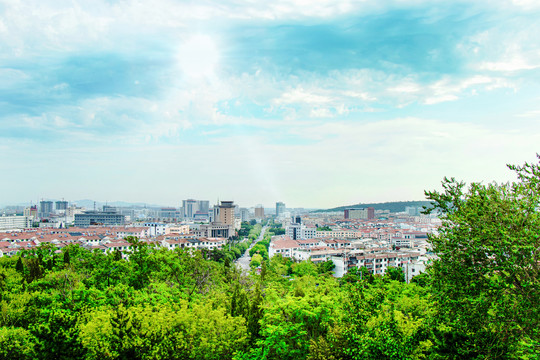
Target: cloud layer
x=312 y=104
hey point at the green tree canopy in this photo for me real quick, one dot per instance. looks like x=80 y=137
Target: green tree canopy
x=486 y=279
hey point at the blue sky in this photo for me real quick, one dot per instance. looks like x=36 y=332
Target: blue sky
x=314 y=104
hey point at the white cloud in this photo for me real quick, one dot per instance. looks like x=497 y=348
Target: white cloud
x=516 y=63
x=530 y=114
x=299 y=95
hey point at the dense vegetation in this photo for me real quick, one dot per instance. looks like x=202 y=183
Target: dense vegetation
x=479 y=301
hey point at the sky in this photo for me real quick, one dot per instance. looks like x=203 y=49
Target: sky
x=313 y=103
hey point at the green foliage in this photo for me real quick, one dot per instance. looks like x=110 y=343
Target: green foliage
x=388 y=321
x=292 y=320
x=20 y=265
x=487 y=277
x=324 y=228
x=394 y=273
x=16 y=344
x=421 y=279
x=325 y=267
x=304 y=268
x=256 y=260
x=259 y=248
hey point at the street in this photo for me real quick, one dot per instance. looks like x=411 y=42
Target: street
x=244 y=261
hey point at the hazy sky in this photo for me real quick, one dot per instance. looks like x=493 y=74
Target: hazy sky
x=314 y=103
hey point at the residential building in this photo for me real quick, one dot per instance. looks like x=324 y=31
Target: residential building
x=61 y=205
x=45 y=209
x=31 y=211
x=280 y=208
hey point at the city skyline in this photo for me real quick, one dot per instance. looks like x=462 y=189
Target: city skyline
x=316 y=105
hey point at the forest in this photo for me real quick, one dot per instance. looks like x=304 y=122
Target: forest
x=479 y=300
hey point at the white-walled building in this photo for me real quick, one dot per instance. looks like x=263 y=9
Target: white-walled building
x=15 y=222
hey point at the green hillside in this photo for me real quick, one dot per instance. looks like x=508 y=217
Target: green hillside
x=396 y=206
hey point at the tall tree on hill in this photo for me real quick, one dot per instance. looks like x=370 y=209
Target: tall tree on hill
x=487 y=279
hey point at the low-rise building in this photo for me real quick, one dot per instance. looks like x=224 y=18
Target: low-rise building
x=15 y=222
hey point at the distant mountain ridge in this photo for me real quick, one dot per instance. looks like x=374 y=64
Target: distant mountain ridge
x=394 y=207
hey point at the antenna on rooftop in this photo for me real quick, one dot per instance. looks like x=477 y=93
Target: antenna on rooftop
x=94 y=206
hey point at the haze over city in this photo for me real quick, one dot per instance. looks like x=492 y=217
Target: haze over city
x=314 y=104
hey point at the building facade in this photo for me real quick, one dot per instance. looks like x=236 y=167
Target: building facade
x=89 y=218
x=259 y=212
x=280 y=208
x=364 y=213
x=61 y=205
x=15 y=222
x=45 y=208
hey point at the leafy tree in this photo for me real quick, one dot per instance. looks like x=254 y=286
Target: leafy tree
x=57 y=335
x=17 y=344
x=487 y=277
x=325 y=267
x=126 y=334
x=304 y=268
x=117 y=255
x=291 y=320
x=19 y=266
x=387 y=320
x=35 y=269
x=421 y=279
x=256 y=260
x=67 y=259
x=394 y=273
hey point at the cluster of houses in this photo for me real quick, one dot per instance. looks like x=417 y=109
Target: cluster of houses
x=104 y=239
x=373 y=254
x=398 y=241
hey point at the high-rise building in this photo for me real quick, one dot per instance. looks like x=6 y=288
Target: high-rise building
x=189 y=208
x=244 y=214
x=192 y=207
x=203 y=206
x=280 y=208
x=45 y=208
x=225 y=213
x=61 y=205
x=259 y=212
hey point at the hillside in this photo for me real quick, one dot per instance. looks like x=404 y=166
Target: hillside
x=396 y=206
